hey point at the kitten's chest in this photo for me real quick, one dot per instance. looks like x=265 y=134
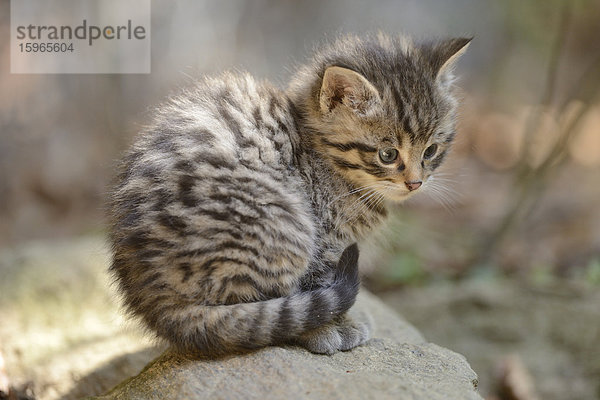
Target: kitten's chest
x=345 y=218
x=337 y=226
x=340 y=217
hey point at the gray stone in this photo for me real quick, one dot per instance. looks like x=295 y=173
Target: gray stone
x=552 y=326
x=62 y=330
x=396 y=364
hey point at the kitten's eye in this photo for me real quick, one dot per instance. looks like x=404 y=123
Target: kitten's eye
x=430 y=151
x=388 y=155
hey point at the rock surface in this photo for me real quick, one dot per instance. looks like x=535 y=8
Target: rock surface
x=553 y=327
x=397 y=364
x=62 y=335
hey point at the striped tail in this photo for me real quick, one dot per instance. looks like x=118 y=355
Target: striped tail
x=225 y=328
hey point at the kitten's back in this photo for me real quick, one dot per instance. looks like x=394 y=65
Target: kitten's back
x=211 y=228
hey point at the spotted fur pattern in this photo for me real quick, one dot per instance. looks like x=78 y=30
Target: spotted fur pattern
x=235 y=216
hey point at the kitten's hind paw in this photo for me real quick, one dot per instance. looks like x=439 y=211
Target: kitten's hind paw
x=342 y=334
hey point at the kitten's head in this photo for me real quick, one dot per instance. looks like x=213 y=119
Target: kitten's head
x=381 y=109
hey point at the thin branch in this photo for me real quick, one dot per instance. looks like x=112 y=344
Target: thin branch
x=532 y=182
x=533 y=122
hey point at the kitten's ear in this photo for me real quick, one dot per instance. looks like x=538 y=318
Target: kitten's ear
x=344 y=87
x=445 y=54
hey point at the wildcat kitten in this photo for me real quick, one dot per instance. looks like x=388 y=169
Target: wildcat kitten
x=236 y=211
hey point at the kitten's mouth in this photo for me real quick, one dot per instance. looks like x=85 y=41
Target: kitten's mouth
x=399 y=195
x=401 y=192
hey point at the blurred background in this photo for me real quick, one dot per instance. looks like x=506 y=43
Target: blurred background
x=503 y=265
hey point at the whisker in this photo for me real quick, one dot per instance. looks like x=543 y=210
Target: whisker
x=439 y=196
x=351 y=192
x=360 y=204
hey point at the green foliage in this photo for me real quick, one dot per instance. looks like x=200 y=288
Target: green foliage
x=592 y=273
x=404 y=269
x=534 y=22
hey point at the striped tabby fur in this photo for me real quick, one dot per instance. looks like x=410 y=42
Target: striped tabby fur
x=236 y=212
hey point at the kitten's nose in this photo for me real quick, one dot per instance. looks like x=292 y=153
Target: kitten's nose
x=413 y=185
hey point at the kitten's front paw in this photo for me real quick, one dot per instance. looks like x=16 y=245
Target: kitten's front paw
x=342 y=334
